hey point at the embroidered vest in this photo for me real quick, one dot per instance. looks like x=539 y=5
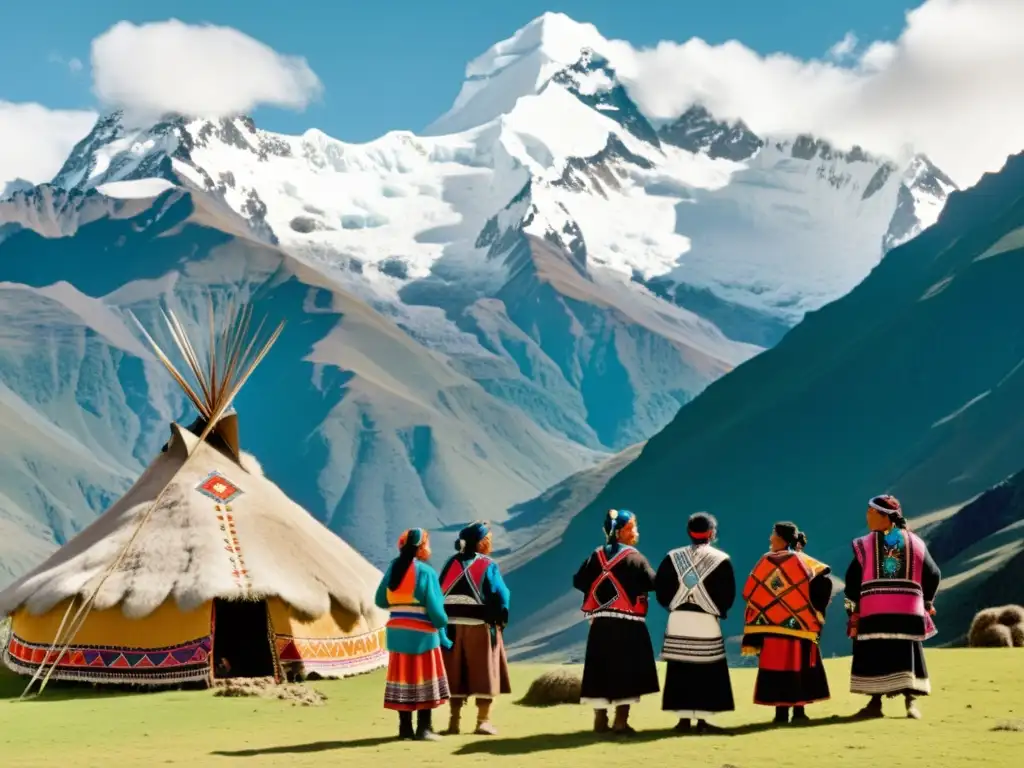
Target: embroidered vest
x=406 y=611
x=692 y=565
x=607 y=597
x=778 y=596
x=462 y=585
x=891 y=584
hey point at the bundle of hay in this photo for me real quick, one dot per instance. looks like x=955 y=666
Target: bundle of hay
x=1001 y=627
x=267 y=688
x=558 y=686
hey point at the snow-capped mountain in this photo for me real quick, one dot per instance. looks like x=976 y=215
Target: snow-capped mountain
x=560 y=255
x=704 y=212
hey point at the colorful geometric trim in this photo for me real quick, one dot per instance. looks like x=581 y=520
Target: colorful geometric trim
x=410 y=617
x=219 y=488
x=333 y=657
x=189 y=661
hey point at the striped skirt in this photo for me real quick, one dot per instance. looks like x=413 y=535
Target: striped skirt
x=415 y=681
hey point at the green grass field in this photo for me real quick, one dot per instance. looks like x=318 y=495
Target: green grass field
x=975 y=691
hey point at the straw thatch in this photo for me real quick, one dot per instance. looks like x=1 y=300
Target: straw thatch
x=162 y=539
x=557 y=686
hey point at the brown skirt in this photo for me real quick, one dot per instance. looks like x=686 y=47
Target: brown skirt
x=476 y=663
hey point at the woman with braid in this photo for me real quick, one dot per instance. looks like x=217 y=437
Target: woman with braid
x=476 y=600
x=787 y=595
x=416 y=679
x=890 y=586
x=619 y=663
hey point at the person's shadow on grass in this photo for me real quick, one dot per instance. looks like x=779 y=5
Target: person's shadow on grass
x=313 y=746
x=525 y=745
x=551 y=742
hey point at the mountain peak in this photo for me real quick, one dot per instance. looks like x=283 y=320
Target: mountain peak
x=14 y=186
x=697 y=130
x=518 y=66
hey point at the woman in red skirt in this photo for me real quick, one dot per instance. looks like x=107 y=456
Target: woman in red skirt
x=416 y=680
x=787 y=595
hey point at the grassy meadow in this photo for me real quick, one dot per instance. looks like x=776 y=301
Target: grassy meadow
x=976 y=692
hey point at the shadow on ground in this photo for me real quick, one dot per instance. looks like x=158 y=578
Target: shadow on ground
x=313 y=746
x=12 y=686
x=552 y=742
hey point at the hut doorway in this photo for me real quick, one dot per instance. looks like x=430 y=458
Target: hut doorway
x=241 y=639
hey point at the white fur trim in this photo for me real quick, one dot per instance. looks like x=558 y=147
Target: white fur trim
x=250 y=464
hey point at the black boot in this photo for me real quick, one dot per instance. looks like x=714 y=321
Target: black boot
x=781 y=715
x=424 y=731
x=704 y=728
x=873 y=709
x=684 y=725
x=799 y=716
x=405 y=730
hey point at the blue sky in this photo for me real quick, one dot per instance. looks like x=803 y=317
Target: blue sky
x=395 y=64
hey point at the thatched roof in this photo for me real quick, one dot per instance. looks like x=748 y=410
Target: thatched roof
x=187 y=549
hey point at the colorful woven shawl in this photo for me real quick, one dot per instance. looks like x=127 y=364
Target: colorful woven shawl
x=778 y=596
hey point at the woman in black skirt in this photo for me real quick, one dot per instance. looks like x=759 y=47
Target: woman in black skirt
x=619 y=665
x=890 y=586
x=697 y=585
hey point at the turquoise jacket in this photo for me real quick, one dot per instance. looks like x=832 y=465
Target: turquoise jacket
x=419 y=628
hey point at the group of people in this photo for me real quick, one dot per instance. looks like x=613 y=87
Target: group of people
x=890 y=587
x=445 y=633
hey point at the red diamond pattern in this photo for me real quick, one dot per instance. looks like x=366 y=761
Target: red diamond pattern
x=219 y=488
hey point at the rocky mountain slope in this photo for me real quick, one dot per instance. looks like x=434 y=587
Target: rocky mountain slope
x=562 y=261
x=910 y=384
x=981 y=548
x=366 y=428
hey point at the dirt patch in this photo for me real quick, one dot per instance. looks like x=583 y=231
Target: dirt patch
x=1016 y=726
x=266 y=688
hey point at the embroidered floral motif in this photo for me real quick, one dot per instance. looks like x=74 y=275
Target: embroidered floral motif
x=893 y=553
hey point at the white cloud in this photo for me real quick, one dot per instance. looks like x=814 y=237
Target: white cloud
x=168 y=66
x=35 y=141
x=951 y=86
x=595 y=82
x=75 y=65
x=842 y=50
